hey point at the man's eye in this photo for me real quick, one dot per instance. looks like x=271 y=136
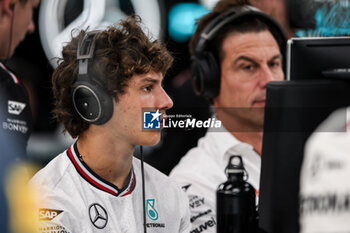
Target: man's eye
x=274 y=64
x=148 y=88
x=248 y=67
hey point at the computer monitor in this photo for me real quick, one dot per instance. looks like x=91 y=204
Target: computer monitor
x=294 y=108
x=318 y=58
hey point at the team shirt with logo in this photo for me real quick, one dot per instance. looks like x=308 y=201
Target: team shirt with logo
x=325 y=175
x=75 y=199
x=15 y=113
x=202 y=169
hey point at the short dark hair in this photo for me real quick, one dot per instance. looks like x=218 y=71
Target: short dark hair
x=121 y=51
x=245 y=25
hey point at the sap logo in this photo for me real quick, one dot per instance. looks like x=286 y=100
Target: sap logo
x=15 y=107
x=151 y=120
x=48 y=214
x=204 y=226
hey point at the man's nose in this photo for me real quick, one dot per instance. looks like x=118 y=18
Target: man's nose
x=165 y=102
x=266 y=76
x=31 y=27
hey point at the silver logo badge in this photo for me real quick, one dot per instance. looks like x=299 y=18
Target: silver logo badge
x=98 y=216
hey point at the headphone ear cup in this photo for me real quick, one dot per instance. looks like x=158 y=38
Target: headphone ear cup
x=206 y=75
x=92 y=103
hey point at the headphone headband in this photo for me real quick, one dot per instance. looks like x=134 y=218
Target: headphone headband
x=210 y=31
x=85 y=51
x=215 y=25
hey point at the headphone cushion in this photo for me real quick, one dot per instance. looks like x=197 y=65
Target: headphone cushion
x=92 y=103
x=206 y=75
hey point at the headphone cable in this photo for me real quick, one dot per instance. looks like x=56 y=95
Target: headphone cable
x=143 y=192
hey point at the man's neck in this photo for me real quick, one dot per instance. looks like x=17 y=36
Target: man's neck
x=108 y=158
x=244 y=131
x=252 y=138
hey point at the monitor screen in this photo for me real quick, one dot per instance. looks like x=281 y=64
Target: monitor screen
x=294 y=108
x=317 y=58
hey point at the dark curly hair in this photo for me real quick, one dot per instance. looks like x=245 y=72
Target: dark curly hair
x=122 y=50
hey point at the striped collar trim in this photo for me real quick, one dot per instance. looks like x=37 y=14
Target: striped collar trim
x=14 y=77
x=94 y=179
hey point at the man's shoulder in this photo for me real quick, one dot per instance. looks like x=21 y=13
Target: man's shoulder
x=52 y=174
x=196 y=161
x=7 y=78
x=11 y=88
x=196 y=172
x=206 y=157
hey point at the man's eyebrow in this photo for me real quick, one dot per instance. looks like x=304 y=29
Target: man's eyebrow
x=245 y=58
x=249 y=59
x=149 y=80
x=277 y=56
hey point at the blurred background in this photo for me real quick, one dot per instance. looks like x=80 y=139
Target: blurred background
x=171 y=21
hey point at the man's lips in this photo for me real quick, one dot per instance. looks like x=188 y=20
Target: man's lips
x=260 y=102
x=162 y=119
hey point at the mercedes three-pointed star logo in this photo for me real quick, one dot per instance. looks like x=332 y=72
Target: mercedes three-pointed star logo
x=98 y=215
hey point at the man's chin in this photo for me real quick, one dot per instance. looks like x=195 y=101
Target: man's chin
x=151 y=139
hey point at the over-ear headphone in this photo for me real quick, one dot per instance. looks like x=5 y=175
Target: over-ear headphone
x=90 y=98
x=205 y=67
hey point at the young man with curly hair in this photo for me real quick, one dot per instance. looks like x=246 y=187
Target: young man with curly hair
x=96 y=184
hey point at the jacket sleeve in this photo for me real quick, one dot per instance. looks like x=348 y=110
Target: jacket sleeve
x=56 y=211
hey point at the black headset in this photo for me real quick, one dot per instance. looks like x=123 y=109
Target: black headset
x=205 y=67
x=90 y=98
